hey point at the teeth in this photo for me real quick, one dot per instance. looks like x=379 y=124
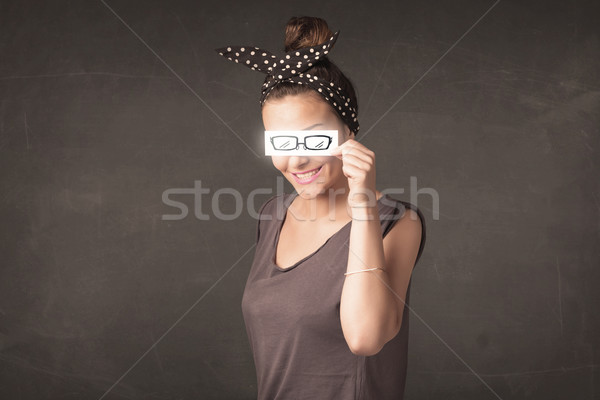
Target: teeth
x=308 y=175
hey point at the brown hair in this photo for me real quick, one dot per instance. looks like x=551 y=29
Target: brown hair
x=302 y=32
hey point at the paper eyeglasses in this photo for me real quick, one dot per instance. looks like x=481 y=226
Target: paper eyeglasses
x=300 y=143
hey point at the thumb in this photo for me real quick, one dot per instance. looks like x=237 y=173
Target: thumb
x=336 y=151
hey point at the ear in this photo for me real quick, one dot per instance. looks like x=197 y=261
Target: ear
x=348 y=132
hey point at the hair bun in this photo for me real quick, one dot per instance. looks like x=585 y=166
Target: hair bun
x=302 y=32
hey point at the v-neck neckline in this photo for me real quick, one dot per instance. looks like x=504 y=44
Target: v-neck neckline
x=278 y=234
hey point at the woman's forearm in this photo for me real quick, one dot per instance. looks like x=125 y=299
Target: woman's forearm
x=367 y=307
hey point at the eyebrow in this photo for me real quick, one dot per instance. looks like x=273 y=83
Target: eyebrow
x=312 y=126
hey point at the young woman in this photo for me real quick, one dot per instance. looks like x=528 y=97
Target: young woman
x=324 y=304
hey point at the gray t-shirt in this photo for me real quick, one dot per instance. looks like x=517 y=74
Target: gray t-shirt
x=292 y=318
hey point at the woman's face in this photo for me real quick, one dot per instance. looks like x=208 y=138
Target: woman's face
x=307 y=112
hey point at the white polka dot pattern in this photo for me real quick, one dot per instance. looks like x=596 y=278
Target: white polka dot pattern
x=291 y=68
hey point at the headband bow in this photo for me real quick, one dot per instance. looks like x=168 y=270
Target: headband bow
x=291 y=68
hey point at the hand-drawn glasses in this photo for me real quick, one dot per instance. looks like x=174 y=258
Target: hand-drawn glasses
x=312 y=142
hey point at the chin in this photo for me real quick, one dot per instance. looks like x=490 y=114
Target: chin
x=308 y=194
x=320 y=187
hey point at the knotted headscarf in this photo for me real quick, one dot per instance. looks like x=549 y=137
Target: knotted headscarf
x=291 y=67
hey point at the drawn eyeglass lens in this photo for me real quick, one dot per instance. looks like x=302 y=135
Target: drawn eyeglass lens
x=285 y=142
x=317 y=142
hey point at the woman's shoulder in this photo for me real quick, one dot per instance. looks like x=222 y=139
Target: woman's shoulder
x=404 y=209
x=264 y=208
x=273 y=205
x=265 y=213
x=400 y=207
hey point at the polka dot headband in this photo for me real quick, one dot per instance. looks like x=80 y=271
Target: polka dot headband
x=291 y=68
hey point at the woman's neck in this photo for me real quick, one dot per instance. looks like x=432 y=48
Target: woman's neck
x=329 y=206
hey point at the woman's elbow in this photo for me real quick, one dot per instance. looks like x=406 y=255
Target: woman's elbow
x=365 y=347
x=371 y=344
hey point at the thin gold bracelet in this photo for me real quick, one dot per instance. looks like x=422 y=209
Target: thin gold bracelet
x=364 y=270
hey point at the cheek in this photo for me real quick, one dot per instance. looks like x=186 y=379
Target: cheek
x=333 y=164
x=279 y=162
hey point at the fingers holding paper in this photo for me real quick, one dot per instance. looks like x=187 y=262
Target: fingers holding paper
x=359 y=167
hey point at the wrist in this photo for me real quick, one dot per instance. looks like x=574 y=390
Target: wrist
x=364 y=212
x=362 y=198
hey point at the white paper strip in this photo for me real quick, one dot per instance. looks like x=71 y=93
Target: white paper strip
x=292 y=143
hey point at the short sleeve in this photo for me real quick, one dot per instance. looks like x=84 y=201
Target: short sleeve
x=399 y=212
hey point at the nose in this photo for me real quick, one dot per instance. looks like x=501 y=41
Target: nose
x=296 y=162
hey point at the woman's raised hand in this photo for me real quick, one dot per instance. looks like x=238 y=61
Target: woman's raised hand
x=359 y=167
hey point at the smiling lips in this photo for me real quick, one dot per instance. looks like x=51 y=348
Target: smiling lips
x=307 y=176
x=300 y=174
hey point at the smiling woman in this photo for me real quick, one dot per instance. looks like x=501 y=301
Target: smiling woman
x=306 y=111
x=325 y=303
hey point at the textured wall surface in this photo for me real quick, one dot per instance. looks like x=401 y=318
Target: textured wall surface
x=485 y=113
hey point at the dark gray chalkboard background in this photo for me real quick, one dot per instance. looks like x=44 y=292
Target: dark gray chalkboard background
x=106 y=105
